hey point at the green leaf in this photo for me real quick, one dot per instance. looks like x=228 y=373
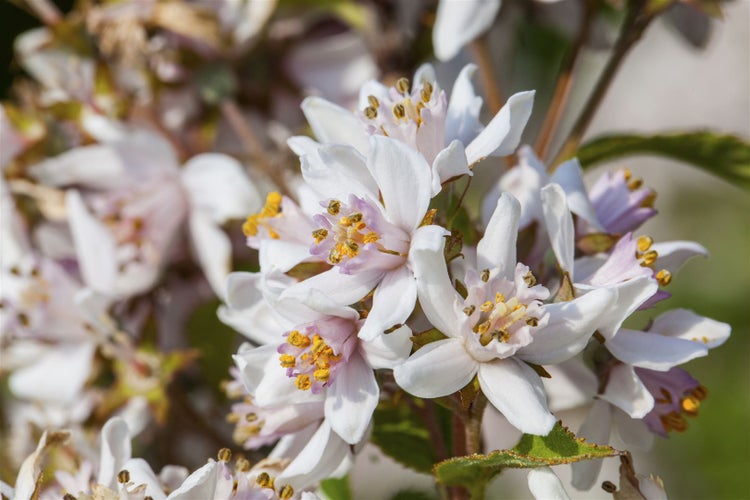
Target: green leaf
x=336 y=488
x=560 y=446
x=727 y=156
x=400 y=434
x=412 y=495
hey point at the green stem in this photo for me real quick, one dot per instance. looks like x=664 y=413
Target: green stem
x=636 y=21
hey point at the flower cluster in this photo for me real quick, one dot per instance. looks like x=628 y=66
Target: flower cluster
x=363 y=269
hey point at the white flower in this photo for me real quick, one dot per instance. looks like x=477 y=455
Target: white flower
x=447 y=133
x=458 y=22
x=545 y=485
x=500 y=324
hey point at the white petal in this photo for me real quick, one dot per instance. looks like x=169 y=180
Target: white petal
x=392 y=303
x=569 y=328
x=218 y=187
x=462 y=120
x=352 y=399
x=425 y=73
x=569 y=176
x=57 y=375
x=115 y=451
x=213 y=250
x=545 y=485
x=141 y=473
x=595 y=429
x=517 y=392
x=321 y=456
x=302 y=145
x=389 y=350
x=653 y=351
x=632 y=431
x=333 y=124
x=199 y=484
x=630 y=295
x=503 y=134
x=458 y=22
x=673 y=254
x=626 y=391
x=571 y=385
x=439 y=301
x=449 y=163
x=497 y=248
x=437 y=369
x=336 y=171
x=559 y=225
x=685 y=324
x=281 y=255
x=404 y=179
x=252 y=362
x=98 y=167
x=342 y=288
x=94 y=244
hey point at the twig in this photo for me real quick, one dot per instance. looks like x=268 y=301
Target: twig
x=45 y=10
x=480 y=47
x=564 y=83
x=251 y=144
x=636 y=22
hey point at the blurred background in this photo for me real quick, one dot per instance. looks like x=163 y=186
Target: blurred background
x=666 y=83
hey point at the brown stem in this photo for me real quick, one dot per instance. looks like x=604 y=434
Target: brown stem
x=564 y=83
x=481 y=50
x=430 y=419
x=46 y=11
x=636 y=22
x=251 y=144
x=473 y=424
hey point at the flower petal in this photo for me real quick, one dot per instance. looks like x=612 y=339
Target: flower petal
x=673 y=254
x=462 y=119
x=517 y=392
x=559 y=225
x=595 y=429
x=392 y=303
x=685 y=324
x=388 y=350
x=545 y=485
x=404 y=179
x=632 y=431
x=569 y=176
x=333 y=124
x=213 y=250
x=569 y=328
x=458 y=22
x=438 y=299
x=351 y=399
x=336 y=171
x=497 y=248
x=342 y=288
x=626 y=391
x=503 y=134
x=653 y=351
x=437 y=369
x=630 y=295
x=115 y=451
x=449 y=163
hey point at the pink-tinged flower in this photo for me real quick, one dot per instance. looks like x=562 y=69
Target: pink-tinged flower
x=371 y=212
x=458 y=22
x=501 y=324
x=127 y=200
x=621 y=203
x=447 y=133
x=316 y=356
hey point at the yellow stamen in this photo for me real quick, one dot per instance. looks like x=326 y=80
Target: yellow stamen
x=469 y=310
x=264 y=480
x=303 y=382
x=373 y=101
x=644 y=243
x=487 y=306
x=287 y=361
x=334 y=206
x=402 y=85
x=286 y=492
x=532 y=321
x=529 y=279
x=485 y=276
x=322 y=375
x=371 y=112
x=370 y=237
x=399 y=111
x=649 y=257
x=664 y=277
x=272 y=208
x=690 y=405
x=635 y=184
x=296 y=339
x=225 y=455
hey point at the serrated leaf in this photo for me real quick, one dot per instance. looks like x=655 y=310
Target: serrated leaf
x=336 y=488
x=400 y=434
x=560 y=446
x=727 y=156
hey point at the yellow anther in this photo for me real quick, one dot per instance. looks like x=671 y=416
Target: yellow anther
x=690 y=405
x=242 y=465
x=627 y=174
x=225 y=455
x=320 y=234
x=296 y=339
x=322 y=374
x=233 y=418
x=644 y=243
x=399 y=111
x=648 y=201
x=272 y=208
x=373 y=101
x=318 y=344
x=334 y=256
x=529 y=279
x=485 y=276
x=499 y=297
x=353 y=247
x=303 y=382
x=286 y=492
x=355 y=217
x=345 y=222
x=359 y=226
x=635 y=184
x=673 y=422
x=264 y=480
x=402 y=85
x=664 y=277
x=370 y=237
x=501 y=335
x=287 y=361
x=700 y=393
x=334 y=207
x=371 y=112
x=649 y=257
x=487 y=306
x=251 y=417
x=123 y=476
x=469 y=310
x=482 y=327
x=426 y=93
x=532 y=321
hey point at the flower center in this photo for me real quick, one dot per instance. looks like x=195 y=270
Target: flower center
x=406 y=108
x=309 y=359
x=648 y=256
x=271 y=209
